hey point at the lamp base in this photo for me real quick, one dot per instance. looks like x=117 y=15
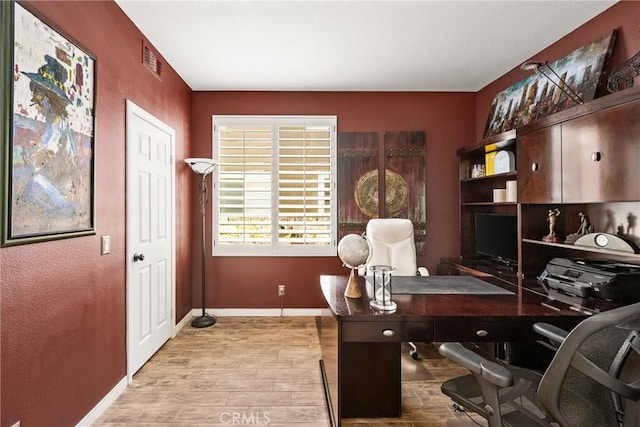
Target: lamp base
x=204 y=321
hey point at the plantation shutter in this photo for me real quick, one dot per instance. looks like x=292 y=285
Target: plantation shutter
x=304 y=185
x=244 y=184
x=275 y=185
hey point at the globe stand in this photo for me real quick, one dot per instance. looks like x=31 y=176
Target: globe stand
x=354 y=250
x=353 y=290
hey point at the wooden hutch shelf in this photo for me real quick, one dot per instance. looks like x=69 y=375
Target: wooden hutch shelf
x=583 y=160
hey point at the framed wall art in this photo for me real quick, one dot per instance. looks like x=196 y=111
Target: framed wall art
x=47 y=123
x=536 y=96
x=362 y=184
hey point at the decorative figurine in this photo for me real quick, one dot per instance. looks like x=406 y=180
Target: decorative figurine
x=585 y=228
x=551 y=219
x=585 y=225
x=620 y=231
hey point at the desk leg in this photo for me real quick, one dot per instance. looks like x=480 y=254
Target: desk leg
x=369 y=380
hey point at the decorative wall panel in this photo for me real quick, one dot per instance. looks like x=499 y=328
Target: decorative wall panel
x=357 y=157
x=405 y=156
x=361 y=185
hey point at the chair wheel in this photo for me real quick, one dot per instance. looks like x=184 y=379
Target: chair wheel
x=414 y=355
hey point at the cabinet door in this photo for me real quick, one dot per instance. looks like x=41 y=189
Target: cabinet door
x=601 y=156
x=539 y=165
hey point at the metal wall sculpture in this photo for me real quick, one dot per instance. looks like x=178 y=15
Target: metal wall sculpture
x=623 y=74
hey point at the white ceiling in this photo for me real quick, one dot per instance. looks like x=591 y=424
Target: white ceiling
x=393 y=45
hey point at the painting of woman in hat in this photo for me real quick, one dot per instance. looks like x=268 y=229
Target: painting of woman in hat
x=52 y=146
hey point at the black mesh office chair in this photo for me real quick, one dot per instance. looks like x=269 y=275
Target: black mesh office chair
x=593 y=379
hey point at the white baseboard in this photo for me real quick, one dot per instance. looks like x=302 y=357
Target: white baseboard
x=261 y=312
x=181 y=324
x=104 y=404
x=325 y=312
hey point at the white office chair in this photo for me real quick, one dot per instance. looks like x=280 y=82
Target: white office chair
x=392 y=243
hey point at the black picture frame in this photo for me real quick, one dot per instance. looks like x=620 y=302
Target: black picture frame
x=48 y=130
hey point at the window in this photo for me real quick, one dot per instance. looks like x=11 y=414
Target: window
x=275 y=185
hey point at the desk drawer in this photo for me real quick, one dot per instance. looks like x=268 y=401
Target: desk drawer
x=468 y=330
x=387 y=331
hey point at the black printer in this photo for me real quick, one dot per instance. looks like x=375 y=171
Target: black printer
x=608 y=280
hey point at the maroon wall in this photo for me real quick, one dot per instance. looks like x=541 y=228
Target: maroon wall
x=62 y=314
x=623 y=17
x=63 y=304
x=446 y=118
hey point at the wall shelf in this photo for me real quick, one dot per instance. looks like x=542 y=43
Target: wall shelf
x=489 y=204
x=582 y=248
x=495 y=176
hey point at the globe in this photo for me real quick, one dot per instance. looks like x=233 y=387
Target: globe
x=353 y=250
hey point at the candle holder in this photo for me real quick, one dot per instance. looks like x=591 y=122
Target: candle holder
x=382 y=288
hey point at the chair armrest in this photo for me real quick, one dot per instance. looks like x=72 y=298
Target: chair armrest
x=422 y=271
x=491 y=371
x=496 y=374
x=553 y=333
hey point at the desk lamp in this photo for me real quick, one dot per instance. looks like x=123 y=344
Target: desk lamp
x=539 y=67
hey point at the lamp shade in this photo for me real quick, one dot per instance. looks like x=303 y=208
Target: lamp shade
x=200 y=165
x=531 y=66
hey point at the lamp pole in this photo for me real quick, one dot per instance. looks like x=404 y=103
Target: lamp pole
x=203 y=167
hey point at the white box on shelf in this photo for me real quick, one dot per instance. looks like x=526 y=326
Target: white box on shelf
x=512 y=191
x=505 y=161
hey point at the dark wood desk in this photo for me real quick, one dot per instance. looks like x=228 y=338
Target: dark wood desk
x=361 y=348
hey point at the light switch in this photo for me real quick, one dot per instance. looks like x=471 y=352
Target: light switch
x=106 y=245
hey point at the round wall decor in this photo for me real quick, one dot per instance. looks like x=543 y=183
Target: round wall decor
x=366 y=193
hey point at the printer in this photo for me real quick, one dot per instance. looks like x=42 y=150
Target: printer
x=608 y=280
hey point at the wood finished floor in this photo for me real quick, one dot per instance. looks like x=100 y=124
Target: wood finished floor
x=262 y=371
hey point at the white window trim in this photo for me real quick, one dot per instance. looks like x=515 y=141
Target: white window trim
x=279 y=250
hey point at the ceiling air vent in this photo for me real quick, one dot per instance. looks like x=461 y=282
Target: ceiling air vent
x=150 y=59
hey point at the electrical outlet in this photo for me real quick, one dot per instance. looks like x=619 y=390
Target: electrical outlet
x=280 y=290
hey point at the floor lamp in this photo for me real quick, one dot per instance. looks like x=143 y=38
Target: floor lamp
x=202 y=167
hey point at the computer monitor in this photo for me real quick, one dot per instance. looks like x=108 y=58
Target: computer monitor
x=497 y=237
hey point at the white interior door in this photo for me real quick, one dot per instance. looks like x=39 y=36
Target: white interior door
x=150 y=236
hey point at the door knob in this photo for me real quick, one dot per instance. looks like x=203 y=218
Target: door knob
x=138 y=257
